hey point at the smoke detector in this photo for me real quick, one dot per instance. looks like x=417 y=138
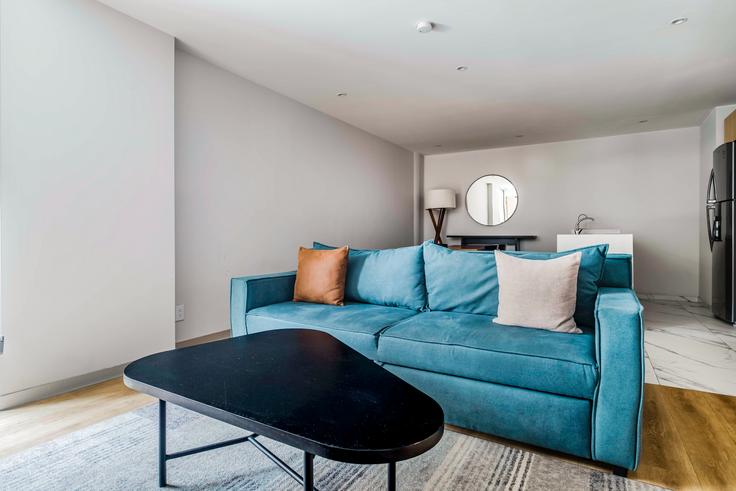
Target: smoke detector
x=424 y=26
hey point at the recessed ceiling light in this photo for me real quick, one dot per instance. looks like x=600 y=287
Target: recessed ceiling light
x=461 y=68
x=342 y=94
x=678 y=21
x=424 y=26
x=643 y=120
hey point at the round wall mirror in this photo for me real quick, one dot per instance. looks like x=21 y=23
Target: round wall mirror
x=491 y=200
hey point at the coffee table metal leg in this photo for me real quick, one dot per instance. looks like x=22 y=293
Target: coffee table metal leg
x=392 y=476
x=162 y=443
x=308 y=471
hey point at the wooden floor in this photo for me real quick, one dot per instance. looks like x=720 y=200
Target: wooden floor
x=689 y=439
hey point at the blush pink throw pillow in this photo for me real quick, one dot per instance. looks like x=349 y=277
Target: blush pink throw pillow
x=538 y=293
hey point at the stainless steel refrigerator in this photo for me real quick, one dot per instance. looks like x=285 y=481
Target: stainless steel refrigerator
x=719 y=210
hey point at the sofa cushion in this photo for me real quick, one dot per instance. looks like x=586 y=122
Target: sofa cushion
x=471 y=346
x=463 y=281
x=355 y=324
x=390 y=277
x=617 y=272
x=460 y=281
x=592 y=260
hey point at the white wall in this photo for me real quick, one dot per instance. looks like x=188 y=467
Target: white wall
x=711 y=136
x=644 y=183
x=258 y=175
x=87 y=191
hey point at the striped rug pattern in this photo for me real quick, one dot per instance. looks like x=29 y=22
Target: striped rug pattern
x=120 y=454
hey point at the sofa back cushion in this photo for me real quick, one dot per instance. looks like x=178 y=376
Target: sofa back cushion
x=467 y=282
x=617 y=272
x=460 y=281
x=390 y=277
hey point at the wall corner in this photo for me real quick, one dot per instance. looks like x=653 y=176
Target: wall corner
x=418 y=197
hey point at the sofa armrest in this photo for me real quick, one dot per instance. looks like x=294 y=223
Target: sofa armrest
x=617 y=407
x=250 y=292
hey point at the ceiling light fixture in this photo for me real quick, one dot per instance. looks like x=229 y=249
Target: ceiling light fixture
x=519 y=136
x=461 y=68
x=678 y=21
x=424 y=26
x=342 y=94
x=643 y=120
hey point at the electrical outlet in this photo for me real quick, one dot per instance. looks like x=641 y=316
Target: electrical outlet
x=179 y=315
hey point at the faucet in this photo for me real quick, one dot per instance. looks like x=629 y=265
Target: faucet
x=581 y=218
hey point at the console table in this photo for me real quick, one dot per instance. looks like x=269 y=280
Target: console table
x=491 y=241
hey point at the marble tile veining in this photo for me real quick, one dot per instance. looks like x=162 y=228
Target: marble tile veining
x=687 y=347
x=650 y=376
x=726 y=332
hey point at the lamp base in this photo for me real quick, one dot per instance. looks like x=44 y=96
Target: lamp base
x=437 y=224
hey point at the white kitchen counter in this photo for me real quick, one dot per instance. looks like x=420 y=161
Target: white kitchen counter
x=617 y=243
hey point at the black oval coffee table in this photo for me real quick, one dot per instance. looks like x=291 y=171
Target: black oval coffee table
x=300 y=387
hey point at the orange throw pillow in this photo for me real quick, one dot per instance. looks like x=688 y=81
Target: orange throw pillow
x=320 y=276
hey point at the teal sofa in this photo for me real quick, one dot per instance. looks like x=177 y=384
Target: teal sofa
x=425 y=313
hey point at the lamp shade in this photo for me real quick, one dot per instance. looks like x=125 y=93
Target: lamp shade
x=439 y=198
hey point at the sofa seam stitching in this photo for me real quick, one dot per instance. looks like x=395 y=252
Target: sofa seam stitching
x=327 y=327
x=491 y=350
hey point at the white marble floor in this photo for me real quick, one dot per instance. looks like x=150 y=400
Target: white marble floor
x=687 y=347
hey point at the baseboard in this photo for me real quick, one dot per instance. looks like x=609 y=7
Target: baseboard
x=44 y=391
x=669 y=298
x=207 y=338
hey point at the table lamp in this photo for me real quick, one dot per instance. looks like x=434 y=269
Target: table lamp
x=439 y=200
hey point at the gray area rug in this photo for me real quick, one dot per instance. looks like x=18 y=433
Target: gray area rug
x=121 y=454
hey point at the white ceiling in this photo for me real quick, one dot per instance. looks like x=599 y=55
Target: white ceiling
x=548 y=70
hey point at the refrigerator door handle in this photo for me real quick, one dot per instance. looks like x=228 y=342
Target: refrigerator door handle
x=708 y=209
x=710 y=194
x=713 y=224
